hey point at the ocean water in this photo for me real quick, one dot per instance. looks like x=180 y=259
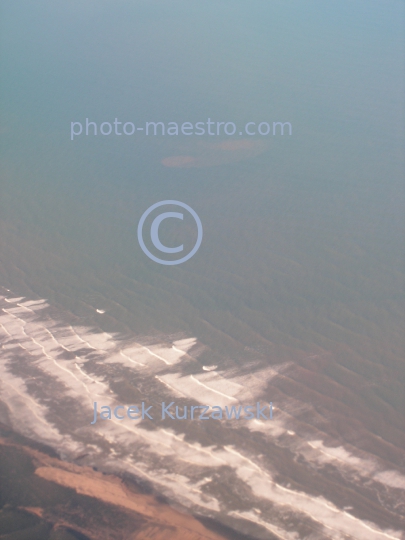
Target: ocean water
x=296 y=293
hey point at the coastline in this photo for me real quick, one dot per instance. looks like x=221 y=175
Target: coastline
x=148 y=516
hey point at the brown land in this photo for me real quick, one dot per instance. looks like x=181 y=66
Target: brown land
x=160 y=521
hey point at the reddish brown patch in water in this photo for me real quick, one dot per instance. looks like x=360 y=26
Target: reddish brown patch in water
x=209 y=154
x=236 y=145
x=179 y=161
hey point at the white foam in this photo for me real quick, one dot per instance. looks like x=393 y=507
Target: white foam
x=367 y=467
x=194 y=389
x=167 y=458
x=282 y=534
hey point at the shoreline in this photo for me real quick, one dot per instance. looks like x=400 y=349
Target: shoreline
x=110 y=490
